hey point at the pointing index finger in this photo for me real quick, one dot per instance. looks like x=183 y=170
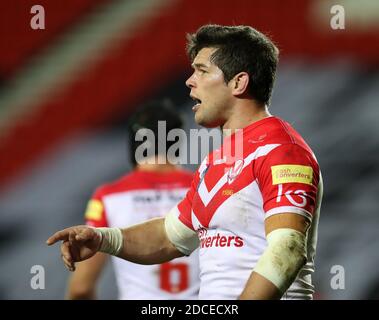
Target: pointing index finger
x=60 y=235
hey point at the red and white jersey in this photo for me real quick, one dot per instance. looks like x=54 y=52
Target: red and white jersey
x=133 y=199
x=229 y=201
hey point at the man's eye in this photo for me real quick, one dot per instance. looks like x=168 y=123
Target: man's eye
x=202 y=71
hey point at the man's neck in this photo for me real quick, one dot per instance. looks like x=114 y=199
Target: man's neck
x=243 y=114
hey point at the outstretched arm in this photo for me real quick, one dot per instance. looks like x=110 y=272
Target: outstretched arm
x=145 y=243
x=148 y=243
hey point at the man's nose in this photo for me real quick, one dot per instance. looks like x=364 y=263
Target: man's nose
x=190 y=83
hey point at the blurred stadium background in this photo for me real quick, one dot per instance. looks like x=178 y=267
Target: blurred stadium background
x=66 y=92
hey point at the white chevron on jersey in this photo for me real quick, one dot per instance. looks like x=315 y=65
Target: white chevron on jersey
x=206 y=196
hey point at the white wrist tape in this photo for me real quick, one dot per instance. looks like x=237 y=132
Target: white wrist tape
x=182 y=237
x=112 y=240
x=283 y=258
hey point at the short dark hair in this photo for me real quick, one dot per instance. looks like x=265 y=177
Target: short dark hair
x=147 y=117
x=240 y=48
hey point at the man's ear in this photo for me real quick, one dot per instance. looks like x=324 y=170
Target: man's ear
x=240 y=83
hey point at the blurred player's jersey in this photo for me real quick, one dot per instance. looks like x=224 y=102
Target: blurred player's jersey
x=230 y=199
x=134 y=199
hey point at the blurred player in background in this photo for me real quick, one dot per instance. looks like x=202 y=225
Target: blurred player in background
x=255 y=216
x=149 y=191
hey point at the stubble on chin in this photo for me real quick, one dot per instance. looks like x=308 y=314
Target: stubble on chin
x=198 y=119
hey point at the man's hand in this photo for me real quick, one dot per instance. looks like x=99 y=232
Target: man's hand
x=79 y=243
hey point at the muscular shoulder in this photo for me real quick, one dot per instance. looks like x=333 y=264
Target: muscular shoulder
x=281 y=132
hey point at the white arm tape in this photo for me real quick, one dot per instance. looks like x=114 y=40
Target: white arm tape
x=283 y=258
x=182 y=237
x=112 y=240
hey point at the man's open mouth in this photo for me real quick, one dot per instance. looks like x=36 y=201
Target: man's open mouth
x=198 y=102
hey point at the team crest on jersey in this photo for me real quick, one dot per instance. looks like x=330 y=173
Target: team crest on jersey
x=235 y=171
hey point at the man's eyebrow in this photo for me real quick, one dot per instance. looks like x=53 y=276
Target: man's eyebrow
x=198 y=65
